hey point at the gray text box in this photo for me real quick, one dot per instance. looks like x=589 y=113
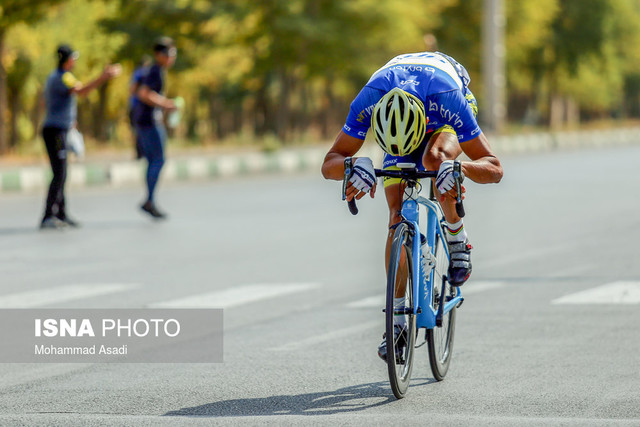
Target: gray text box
x=111 y=335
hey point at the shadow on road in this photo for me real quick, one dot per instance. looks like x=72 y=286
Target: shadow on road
x=90 y=225
x=348 y=399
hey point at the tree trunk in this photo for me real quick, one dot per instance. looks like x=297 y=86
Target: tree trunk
x=573 y=112
x=3 y=97
x=326 y=112
x=556 y=112
x=213 y=115
x=282 y=118
x=301 y=123
x=238 y=118
x=191 y=120
x=36 y=112
x=261 y=122
x=99 y=124
x=14 y=108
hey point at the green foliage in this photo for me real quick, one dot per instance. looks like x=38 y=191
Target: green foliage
x=13 y=12
x=290 y=68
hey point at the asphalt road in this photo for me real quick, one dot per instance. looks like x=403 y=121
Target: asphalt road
x=549 y=333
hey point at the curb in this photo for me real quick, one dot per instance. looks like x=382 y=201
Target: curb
x=539 y=142
x=127 y=173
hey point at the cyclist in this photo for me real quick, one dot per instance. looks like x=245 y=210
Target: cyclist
x=421 y=111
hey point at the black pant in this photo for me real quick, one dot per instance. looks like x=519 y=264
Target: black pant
x=55 y=140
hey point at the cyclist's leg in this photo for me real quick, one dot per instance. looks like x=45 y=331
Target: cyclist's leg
x=443 y=145
x=394 y=190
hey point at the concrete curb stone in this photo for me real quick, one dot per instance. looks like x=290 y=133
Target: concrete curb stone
x=201 y=168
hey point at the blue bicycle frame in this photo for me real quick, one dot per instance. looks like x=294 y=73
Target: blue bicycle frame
x=430 y=299
x=426 y=315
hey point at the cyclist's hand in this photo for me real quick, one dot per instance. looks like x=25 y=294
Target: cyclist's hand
x=354 y=193
x=445 y=180
x=363 y=179
x=453 y=194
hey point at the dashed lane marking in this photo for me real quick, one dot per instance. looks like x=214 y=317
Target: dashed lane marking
x=610 y=293
x=61 y=294
x=236 y=296
x=327 y=337
x=468 y=289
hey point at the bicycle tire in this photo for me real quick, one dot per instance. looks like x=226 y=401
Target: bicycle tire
x=399 y=356
x=440 y=338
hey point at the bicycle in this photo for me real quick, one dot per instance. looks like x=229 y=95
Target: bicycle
x=417 y=286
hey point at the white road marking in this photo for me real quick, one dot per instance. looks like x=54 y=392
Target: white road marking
x=236 y=296
x=60 y=294
x=329 y=336
x=374 y=301
x=610 y=293
x=468 y=289
x=480 y=286
x=542 y=251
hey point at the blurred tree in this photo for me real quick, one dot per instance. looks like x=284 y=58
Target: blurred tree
x=74 y=22
x=144 y=21
x=16 y=80
x=13 y=12
x=290 y=68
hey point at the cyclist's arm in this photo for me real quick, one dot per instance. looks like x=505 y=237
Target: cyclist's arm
x=353 y=133
x=484 y=167
x=344 y=146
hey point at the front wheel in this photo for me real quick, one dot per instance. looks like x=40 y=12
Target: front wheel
x=440 y=338
x=400 y=330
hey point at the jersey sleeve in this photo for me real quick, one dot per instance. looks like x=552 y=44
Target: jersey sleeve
x=152 y=79
x=69 y=80
x=359 y=118
x=452 y=108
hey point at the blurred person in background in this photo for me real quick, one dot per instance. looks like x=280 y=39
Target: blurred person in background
x=61 y=105
x=134 y=85
x=148 y=117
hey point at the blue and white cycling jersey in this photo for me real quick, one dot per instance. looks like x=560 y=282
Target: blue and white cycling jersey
x=436 y=79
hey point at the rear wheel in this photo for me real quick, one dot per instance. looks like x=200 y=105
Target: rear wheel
x=440 y=338
x=400 y=330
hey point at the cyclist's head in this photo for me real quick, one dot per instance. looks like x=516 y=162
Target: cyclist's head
x=398 y=122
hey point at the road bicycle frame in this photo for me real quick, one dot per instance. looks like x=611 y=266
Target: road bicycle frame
x=433 y=300
x=426 y=315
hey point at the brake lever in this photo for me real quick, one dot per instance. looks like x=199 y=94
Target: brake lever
x=348 y=171
x=458 y=176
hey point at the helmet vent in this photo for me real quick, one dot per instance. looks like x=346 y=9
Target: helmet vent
x=398 y=122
